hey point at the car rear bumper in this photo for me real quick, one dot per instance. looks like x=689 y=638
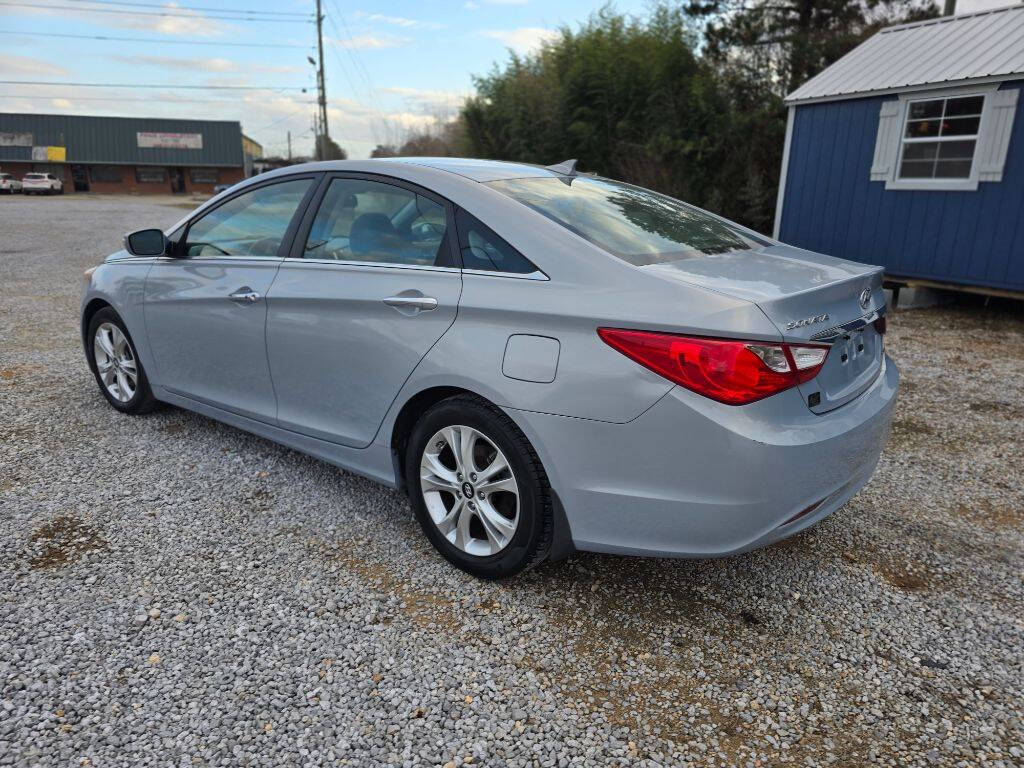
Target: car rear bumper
x=694 y=478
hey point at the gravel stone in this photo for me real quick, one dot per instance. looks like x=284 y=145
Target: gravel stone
x=313 y=624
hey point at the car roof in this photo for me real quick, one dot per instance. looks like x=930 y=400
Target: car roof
x=467 y=168
x=477 y=170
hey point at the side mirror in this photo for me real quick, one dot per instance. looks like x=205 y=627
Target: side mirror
x=146 y=242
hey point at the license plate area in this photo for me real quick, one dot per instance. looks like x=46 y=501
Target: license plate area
x=851 y=366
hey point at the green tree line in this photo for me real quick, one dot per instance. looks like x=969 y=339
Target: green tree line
x=687 y=101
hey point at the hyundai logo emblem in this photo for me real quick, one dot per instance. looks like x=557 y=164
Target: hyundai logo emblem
x=865 y=298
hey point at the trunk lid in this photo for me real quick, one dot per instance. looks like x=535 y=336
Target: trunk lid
x=809 y=297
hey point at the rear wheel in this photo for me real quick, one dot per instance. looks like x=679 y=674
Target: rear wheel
x=116 y=365
x=478 y=488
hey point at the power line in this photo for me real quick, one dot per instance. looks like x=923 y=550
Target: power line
x=128 y=98
x=151 y=40
x=170 y=86
x=291 y=114
x=357 y=65
x=166 y=14
x=195 y=8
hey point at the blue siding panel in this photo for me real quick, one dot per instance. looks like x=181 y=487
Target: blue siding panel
x=832 y=206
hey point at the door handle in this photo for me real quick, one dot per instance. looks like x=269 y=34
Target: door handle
x=245 y=295
x=425 y=303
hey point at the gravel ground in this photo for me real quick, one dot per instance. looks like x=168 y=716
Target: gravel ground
x=175 y=591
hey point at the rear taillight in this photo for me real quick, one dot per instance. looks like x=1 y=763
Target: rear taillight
x=880 y=325
x=729 y=371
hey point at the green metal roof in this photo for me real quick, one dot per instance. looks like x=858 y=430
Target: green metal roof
x=115 y=140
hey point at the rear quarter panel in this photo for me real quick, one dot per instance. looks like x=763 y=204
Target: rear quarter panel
x=592 y=380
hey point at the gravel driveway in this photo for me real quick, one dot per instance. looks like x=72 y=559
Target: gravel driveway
x=177 y=592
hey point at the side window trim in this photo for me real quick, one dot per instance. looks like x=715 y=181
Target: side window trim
x=289 y=233
x=295 y=253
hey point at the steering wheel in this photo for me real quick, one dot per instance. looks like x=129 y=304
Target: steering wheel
x=265 y=246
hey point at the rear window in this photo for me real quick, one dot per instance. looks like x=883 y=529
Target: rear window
x=34 y=176
x=635 y=224
x=5 y=175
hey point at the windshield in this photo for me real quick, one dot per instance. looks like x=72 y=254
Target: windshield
x=635 y=224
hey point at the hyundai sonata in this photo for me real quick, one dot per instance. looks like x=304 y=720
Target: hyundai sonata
x=542 y=360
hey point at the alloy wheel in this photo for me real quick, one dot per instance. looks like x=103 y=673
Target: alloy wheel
x=469 y=490
x=115 y=362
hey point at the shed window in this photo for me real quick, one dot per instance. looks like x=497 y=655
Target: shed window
x=940 y=137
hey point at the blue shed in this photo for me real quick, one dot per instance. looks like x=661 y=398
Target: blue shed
x=909 y=152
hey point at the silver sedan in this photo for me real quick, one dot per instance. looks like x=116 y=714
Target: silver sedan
x=542 y=360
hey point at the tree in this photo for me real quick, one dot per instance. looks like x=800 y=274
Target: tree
x=331 y=149
x=633 y=100
x=783 y=43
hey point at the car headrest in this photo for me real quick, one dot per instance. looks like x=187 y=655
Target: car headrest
x=372 y=232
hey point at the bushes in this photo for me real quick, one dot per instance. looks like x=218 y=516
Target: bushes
x=633 y=100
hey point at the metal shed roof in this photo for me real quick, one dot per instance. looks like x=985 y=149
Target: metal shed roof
x=973 y=47
x=115 y=140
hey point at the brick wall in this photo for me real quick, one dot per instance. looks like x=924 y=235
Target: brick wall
x=127 y=182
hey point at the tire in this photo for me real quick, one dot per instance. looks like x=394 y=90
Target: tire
x=135 y=401
x=521 y=537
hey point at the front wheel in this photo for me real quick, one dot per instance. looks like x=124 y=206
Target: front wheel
x=116 y=365
x=478 y=488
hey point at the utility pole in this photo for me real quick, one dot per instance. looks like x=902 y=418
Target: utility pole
x=321 y=149
x=289 y=146
x=950 y=8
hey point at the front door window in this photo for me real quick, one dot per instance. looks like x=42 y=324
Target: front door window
x=251 y=224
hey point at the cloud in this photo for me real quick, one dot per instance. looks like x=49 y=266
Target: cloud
x=171 y=62
x=398 y=21
x=430 y=102
x=506 y=2
x=469 y=5
x=61 y=103
x=25 y=65
x=185 y=21
x=370 y=42
x=208 y=64
x=522 y=39
x=409 y=120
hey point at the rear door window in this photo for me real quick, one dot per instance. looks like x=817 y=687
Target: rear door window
x=363 y=220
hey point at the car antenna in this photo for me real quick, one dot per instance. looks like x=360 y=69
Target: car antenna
x=564 y=168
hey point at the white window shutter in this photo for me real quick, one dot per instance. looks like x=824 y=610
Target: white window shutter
x=992 y=150
x=887 y=141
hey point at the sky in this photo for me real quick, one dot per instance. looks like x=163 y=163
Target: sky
x=391 y=65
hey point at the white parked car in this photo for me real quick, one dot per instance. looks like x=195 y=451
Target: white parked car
x=42 y=184
x=9 y=184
